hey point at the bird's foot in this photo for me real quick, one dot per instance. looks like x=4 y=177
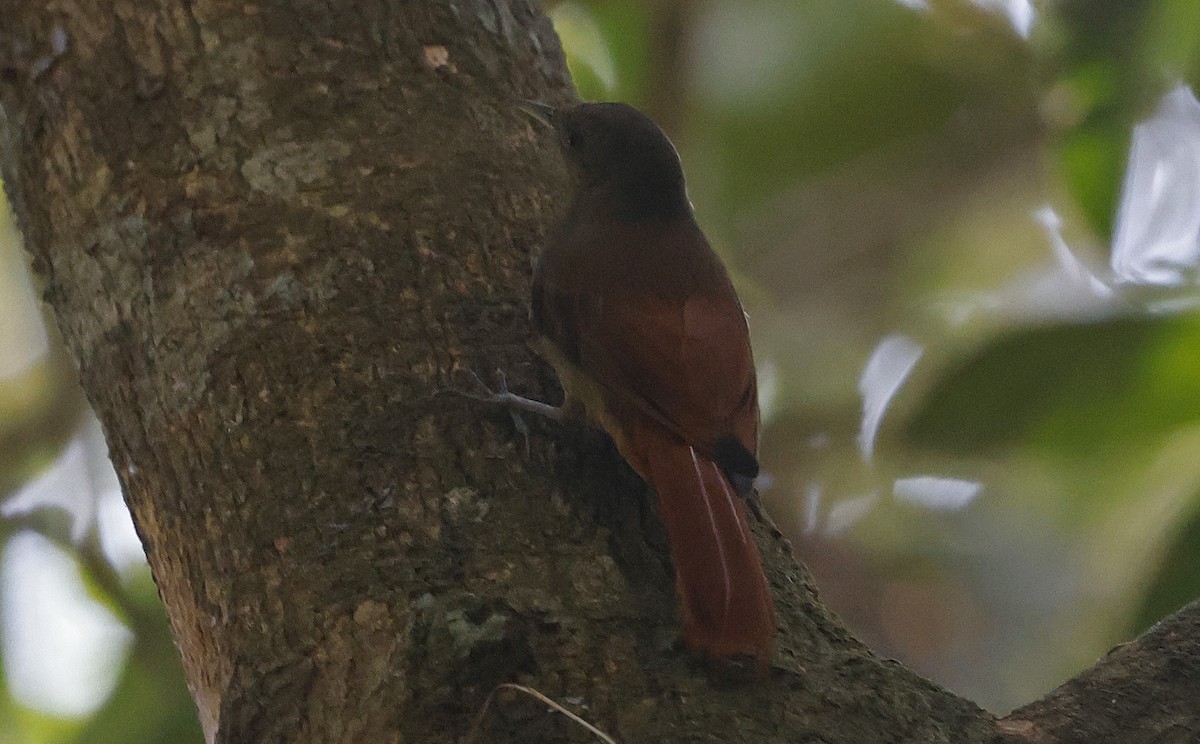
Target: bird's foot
x=504 y=397
x=514 y=403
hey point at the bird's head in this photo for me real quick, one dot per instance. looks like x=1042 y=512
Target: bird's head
x=620 y=154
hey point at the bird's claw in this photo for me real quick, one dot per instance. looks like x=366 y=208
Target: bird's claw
x=500 y=396
x=483 y=392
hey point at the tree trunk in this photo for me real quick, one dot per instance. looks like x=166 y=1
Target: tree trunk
x=273 y=234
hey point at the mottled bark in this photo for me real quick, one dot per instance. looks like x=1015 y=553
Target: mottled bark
x=271 y=234
x=1147 y=690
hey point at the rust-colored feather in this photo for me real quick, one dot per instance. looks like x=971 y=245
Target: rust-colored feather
x=727 y=609
x=659 y=353
x=663 y=329
x=646 y=331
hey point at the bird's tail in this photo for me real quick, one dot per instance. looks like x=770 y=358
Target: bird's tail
x=727 y=609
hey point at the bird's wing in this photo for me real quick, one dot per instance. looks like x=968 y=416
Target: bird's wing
x=648 y=313
x=686 y=361
x=679 y=377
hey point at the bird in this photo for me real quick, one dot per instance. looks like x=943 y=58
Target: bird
x=638 y=317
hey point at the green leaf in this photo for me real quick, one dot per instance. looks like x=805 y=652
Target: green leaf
x=1071 y=389
x=588 y=55
x=1171 y=43
x=1177 y=579
x=1092 y=159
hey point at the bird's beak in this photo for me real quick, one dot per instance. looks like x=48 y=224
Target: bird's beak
x=541 y=113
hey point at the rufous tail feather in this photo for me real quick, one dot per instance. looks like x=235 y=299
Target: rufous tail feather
x=727 y=608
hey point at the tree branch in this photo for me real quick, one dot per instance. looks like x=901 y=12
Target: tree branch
x=1144 y=690
x=271 y=234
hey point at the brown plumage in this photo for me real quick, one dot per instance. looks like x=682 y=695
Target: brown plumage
x=645 y=330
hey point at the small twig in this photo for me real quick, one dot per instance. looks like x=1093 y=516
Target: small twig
x=478 y=724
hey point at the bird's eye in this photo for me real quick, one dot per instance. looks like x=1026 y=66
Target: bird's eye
x=574 y=139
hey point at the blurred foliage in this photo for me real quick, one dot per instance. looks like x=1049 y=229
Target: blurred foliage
x=1075 y=389
x=1177 y=577
x=870 y=168
x=1115 y=59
